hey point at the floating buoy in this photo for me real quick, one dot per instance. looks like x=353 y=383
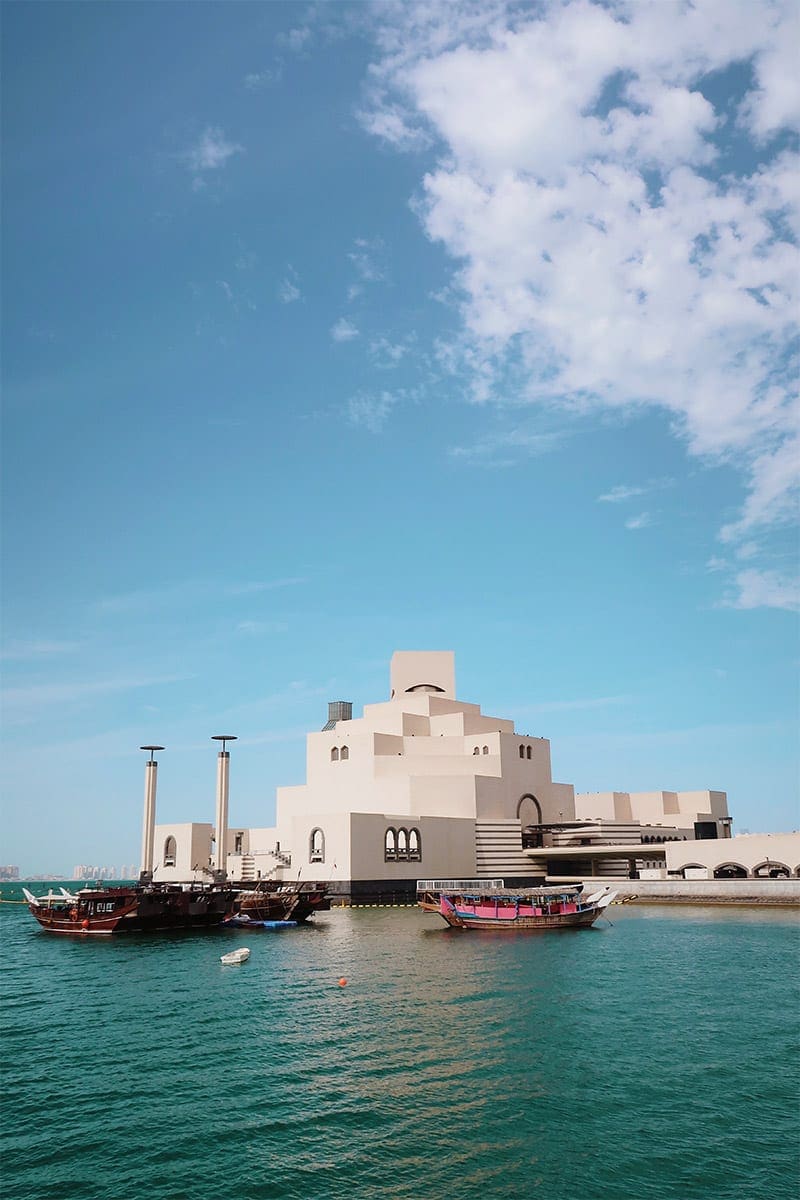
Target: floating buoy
x=343 y=982
x=84 y=924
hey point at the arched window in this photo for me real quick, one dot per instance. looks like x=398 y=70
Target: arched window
x=345 y=754
x=402 y=843
x=771 y=870
x=414 y=845
x=335 y=754
x=730 y=871
x=522 y=751
x=476 y=750
x=390 y=845
x=528 y=752
x=170 y=850
x=485 y=749
x=316 y=846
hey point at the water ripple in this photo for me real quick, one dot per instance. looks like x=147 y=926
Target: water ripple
x=648 y=1060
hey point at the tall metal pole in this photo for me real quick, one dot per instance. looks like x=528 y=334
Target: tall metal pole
x=149 y=818
x=223 y=776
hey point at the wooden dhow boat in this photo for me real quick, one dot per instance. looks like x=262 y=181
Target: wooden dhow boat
x=133 y=908
x=560 y=907
x=273 y=900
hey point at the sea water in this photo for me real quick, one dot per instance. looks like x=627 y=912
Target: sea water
x=654 y=1058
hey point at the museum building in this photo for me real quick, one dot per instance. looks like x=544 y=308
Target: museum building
x=424 y=785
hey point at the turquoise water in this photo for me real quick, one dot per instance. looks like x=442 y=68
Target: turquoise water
x=652 y=1059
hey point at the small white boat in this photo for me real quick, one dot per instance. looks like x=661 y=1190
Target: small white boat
x=235 y=957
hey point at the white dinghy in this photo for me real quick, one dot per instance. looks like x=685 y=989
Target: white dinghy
x=235 y=957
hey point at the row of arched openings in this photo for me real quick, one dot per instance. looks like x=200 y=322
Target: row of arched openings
x=402 y=845
x=651 y=841
x=340 y=754
x=524 y=751
x=478 y=750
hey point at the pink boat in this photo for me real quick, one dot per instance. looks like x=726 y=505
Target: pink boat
x=520 y=908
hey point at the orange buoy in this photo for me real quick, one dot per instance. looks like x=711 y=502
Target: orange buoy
x=84 y=924
x=342 y=982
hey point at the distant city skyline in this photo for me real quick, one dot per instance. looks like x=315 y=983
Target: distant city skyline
x=338 y=329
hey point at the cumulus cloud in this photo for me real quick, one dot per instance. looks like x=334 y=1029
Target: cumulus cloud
x=602 y=239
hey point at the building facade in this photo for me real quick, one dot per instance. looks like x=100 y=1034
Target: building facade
x=426 y=785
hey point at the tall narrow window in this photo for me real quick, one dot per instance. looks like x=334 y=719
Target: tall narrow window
x=522 y=751
x=335 y=754
x=402 y=843
x=476 y=750
x=316 y=846
x=390 y=845
x=345 y=754
x=170 y=850
x=528 y=752
x=485 y=749
x=414 y=845
x=237 y=843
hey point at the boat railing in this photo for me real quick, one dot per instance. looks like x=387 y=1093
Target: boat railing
x=459 y=885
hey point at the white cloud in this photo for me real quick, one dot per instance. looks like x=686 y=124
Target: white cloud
x=597 y=245
x=34 y=695
x=365 y=257
x=639 y=522
x=621 y=492
x=257 y=628
x=344 y=330
x=505 y=448
x=371 y=410
x=255 y=81
x=289 y=289
x=21 y=649
x=210 y=153
x=765 y=589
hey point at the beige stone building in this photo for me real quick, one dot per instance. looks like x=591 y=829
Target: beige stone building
x=424 y=785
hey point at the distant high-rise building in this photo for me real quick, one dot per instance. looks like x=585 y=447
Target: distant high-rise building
x=9 y=872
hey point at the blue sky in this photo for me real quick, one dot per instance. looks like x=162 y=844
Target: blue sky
x=335 y=330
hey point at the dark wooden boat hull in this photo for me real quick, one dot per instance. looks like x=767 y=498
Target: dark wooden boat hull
x=136 y=910
x=283 y=902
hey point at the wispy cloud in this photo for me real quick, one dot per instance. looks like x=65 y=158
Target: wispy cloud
x=37 y=694
x=184 y=594
x=620 y=493
x=210 y=153
x=256 y=81
x=589 y=702
x=641 y=521
x=506 y=448
x=387 y=354
x=371 y=410
x=289 y=289
x=259 y=628
x=19 y=649
x=344 y=330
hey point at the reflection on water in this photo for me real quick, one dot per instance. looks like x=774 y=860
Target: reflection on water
x=646 y=1058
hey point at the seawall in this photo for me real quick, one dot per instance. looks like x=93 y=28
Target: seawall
x=701 y=891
